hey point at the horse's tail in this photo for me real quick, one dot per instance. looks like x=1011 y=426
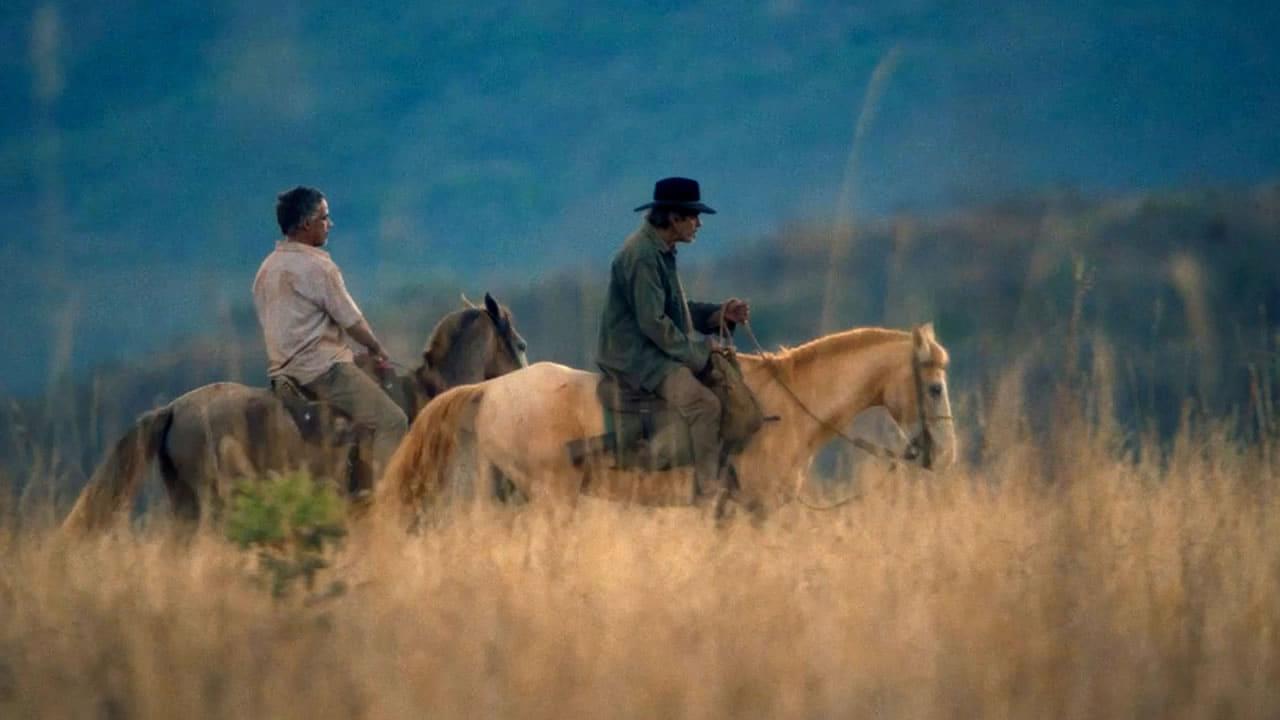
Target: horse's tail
x=419 y=468
x=116 y=479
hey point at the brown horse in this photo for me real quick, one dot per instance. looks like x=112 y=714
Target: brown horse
x=218 y=433
x=521 y=423
x=472 y=344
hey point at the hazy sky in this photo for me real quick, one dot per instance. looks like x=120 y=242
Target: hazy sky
x=143 y=143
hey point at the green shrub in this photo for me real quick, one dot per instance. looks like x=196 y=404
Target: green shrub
x=292 y=521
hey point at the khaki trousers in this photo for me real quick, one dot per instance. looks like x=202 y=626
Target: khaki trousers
x=348 y=389
x=701 y=409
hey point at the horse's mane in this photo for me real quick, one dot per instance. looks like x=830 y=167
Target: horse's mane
x=789 y=358
x=447 y=330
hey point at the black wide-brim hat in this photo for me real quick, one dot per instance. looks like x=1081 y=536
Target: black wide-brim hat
x=679 y=193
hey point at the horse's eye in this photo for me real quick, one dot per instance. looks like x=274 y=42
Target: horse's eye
x=935 y=391
x=522 y=346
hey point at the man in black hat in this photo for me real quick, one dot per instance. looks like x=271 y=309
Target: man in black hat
x=646 y=331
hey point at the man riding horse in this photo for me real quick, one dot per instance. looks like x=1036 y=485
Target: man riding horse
x=304 y=308
x=647 y=331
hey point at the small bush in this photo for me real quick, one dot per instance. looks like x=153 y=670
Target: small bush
x=292 y=521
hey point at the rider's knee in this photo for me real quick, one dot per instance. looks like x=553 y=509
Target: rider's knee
x=394 y=422
x=706 y=398
x=710 y=403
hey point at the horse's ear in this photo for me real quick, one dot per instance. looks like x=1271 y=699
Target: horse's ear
x=491 y=305
x=921 y=340
x=467 y=301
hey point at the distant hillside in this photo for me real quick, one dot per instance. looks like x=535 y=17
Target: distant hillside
x=1178 y=301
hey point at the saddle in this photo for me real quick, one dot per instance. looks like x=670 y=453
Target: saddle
x=309 y=416
x=643 y=432
x=320 y=422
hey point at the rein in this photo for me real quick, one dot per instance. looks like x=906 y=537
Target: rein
x=411 y=386
x=922 y=446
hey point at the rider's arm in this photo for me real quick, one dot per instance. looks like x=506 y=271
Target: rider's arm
x=363 y=334
x=706 y=318
x=336 y=301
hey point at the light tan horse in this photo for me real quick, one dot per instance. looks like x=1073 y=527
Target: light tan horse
x=219 y=433
x=520 y=423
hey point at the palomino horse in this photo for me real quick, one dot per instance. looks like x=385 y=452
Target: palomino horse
x=520 y=423
x=217 y=433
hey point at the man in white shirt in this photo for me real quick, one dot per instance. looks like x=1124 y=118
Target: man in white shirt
x=304 y=309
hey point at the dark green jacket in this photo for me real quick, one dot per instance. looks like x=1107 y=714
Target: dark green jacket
x=644 y=332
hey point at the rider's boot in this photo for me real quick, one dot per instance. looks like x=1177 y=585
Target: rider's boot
x=715 y=484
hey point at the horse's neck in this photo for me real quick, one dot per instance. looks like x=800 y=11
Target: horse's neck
x=416 y=393
x=819 y=390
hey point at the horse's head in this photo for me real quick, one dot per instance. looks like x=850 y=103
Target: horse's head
x=469 y=345
x=916 y=397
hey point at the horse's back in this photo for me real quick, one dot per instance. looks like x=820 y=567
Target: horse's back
x=541 y=407
x=547 y=380
x=227 y=405
x=214 y=396
x=257 y=421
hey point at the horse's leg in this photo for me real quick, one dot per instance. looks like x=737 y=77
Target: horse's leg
x=478 y=478
x=359 y=467
x=559 y=486
x=518 y=483
x=183 y=500
x=229 y=465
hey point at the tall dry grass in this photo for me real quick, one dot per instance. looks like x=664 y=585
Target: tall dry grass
x=1113 y=586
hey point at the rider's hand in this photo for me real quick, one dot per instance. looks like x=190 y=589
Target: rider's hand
x=735 y=310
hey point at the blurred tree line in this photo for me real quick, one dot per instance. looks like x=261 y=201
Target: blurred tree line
x=1158 y=304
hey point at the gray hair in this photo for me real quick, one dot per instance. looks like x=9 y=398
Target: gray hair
x=294 y=207
x=662 y=217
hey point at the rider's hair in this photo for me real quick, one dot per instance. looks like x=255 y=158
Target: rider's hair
x=662 y=217
x=294 y=207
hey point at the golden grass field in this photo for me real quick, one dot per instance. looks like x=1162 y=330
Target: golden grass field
x=1076 y=582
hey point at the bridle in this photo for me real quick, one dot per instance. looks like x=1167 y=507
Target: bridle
x=921 y=445
x=920 y=448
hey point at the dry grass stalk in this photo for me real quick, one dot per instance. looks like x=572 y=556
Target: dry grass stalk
x=1138 y=588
